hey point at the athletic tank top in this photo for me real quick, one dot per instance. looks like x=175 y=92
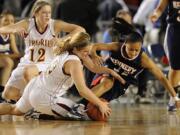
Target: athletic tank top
x=54 y=80
x=38 y=46
x=127 y=68
x=5 y=44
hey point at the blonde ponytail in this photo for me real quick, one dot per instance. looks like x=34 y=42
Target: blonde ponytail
x=78 y=40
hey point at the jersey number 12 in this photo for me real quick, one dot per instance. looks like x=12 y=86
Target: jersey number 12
x=41 y=56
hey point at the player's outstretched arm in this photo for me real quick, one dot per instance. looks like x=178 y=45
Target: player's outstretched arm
x=159 y=10
x=102 y=47
x=101 y=69
x=19 y=27
x=75 y=69
x=151 y=66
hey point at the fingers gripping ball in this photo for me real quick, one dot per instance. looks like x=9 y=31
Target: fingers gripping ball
x=94 y=112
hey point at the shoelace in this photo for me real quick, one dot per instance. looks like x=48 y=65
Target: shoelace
x=80 y=108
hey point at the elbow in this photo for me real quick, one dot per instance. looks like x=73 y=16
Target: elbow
x=81 y=29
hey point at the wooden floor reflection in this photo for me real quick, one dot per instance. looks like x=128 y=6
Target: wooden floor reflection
x=125 y=120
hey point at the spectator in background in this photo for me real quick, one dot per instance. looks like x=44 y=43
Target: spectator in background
x=109 y=8
x=8 y=48
x=1 y=5
x=14 y=6
x=142 y=18
x=81 y=12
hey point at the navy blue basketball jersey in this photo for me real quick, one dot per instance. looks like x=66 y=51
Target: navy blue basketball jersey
x=4 y=44
x=127 y=68
x=173 y=12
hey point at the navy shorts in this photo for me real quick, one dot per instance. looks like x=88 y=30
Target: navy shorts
x=115 y=92
x=172 y=45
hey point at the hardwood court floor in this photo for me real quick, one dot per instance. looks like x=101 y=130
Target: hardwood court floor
x=125 y=120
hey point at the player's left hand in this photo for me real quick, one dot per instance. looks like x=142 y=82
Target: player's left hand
x=118 y=77
x=97 y=60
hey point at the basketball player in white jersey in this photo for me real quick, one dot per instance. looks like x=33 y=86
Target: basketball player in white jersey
x=45 y=93
x=39 y=32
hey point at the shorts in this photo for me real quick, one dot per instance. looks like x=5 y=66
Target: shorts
x=172 y=45
x=17 y=76
x=37 y=97
x=115 y=92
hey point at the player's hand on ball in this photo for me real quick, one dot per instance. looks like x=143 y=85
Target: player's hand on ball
x=105 y=109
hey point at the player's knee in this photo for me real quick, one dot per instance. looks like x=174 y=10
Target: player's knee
x=11 y=94
x=9 y=63
x=30 y=72
x=108 y=83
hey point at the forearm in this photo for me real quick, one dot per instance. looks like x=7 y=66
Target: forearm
x=100 y=47
x=168 y=86
x=5 y=30
x=72 y=32
x=90 y=96
x=99 y=69
x=93 y=50
x=161 y=7
x=106 y=70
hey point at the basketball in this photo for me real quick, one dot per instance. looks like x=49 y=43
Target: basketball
x=94 y=113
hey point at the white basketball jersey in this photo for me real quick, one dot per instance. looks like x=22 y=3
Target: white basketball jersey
x=38 y=46
x=53 y=80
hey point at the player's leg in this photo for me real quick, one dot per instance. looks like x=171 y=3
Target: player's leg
x=9 y=109
x=7 y=65
x=172 y=49
x=11 y=93
x=30 y=72
x=21 y=107
x=101 y=85
x=105 y=84
x=15 y=85
x=174 y=77
x=18 y=80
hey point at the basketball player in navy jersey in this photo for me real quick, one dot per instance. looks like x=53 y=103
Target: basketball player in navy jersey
x=172 y=40
x=128 y=59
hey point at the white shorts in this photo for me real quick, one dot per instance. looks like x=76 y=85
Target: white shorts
x=39 y=99
x=17 y=76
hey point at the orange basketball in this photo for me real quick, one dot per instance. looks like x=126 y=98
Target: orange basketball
x=94 y=112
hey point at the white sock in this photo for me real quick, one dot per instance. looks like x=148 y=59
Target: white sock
x=171 y=101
